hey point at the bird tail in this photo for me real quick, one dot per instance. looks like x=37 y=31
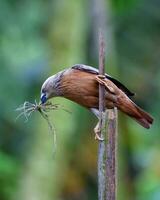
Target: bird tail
x=135 y=112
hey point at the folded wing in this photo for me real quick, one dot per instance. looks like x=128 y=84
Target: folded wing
x=93 y=70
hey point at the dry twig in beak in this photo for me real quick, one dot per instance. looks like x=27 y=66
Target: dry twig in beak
x=28 y=108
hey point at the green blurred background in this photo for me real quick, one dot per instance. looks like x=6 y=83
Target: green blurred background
x=39 y=38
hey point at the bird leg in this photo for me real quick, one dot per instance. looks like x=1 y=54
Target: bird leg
x=97 y=129
x=97 y=132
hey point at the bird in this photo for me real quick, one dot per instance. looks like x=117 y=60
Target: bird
x=80 y=84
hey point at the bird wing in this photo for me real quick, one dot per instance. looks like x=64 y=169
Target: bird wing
x=93 y=70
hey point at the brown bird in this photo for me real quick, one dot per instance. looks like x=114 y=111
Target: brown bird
x=80 y=84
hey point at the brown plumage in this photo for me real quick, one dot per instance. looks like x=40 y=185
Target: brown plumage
x=80 y=84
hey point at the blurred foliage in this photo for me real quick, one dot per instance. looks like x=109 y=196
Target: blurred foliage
x=39 y=38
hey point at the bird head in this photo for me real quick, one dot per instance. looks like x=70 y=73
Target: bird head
x=49 y=89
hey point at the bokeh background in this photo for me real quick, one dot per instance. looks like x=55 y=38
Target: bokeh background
x=39 y=38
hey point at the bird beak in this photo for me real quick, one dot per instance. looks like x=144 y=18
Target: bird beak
x=43 y=98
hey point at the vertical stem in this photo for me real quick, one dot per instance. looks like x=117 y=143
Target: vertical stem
x=101 y=153
x=102 y=163
x=107 y=157
x=111 y=155
x=101 y=71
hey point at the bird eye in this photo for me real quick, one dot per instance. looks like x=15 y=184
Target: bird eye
x=43 y=98
x=43 y=91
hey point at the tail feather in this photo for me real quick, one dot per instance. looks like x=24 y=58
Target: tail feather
x=143 y=122
x=142 y=117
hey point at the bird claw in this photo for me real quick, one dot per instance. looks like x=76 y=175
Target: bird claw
x=98 y=137
x=97 y=134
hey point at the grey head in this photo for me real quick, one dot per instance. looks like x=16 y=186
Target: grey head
x=50 y=87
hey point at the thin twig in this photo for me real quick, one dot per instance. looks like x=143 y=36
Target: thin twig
x=101 y=72
x=107 y=155
x=101 y=152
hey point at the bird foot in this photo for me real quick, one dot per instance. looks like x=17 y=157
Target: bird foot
x=97 y=134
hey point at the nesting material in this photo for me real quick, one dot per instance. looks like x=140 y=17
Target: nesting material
x=27 y=109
